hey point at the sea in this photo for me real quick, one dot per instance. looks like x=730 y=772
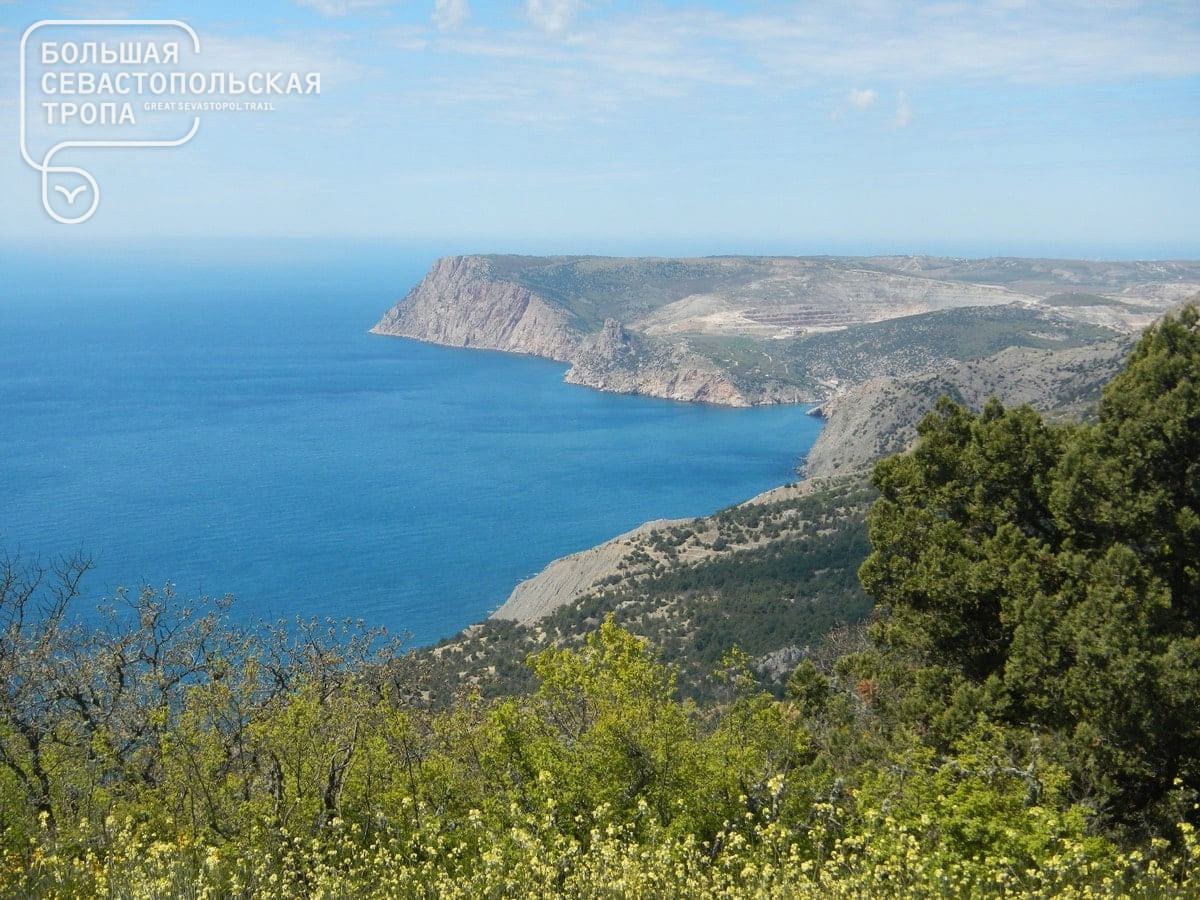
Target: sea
x=224 y=423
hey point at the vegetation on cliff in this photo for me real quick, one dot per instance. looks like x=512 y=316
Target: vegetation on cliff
x=1048 y=577
x=755 y=330
x=773 y=577
x=1023 y=722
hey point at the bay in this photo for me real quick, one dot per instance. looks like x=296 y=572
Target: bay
x=229 y=426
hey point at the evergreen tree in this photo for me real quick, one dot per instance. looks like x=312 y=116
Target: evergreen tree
x=1050 y=576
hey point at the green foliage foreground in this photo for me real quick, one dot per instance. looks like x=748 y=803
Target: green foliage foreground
x=600 y=784
x=1024 y=724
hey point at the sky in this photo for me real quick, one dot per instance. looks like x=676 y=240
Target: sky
x=999 y=127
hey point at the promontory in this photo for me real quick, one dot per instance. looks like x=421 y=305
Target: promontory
x=743 y=331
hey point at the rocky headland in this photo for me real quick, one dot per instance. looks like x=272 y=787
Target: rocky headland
x=458 y=304
x=742 y=331
x=874 y=341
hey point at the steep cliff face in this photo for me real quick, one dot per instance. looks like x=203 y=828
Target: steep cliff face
x=459 y=304
x=623 y=362
x=462 y=303
x=743 y=331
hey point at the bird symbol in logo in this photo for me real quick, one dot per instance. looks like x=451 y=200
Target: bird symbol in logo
x=71 y=195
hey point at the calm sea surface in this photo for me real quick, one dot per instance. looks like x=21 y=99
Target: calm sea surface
x=232 y=427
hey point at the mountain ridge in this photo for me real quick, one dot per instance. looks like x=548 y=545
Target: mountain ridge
x=742 y=331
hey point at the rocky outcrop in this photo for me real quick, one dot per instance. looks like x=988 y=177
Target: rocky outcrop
x=879 y=417
x=741 y=331
x=877 y=368
x=639 y=554
x=570 y=577
x=623 y=362
x=458 y=304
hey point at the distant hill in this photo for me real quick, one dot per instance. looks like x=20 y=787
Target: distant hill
x=879 y=416
x=741 y=331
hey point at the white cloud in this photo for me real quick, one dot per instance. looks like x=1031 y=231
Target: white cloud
x=341 y=7
x=100 y=9
x=622 y=54
x=861 y=99
x=322 y=53
x=609 y=57
x=552 y=15
x=1060 y=42
x=448 y=14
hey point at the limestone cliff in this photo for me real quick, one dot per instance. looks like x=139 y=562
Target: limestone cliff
x=459 y=304
x=741 y=331
x=616 y=360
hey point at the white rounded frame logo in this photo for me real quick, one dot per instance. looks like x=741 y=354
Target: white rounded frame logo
x=90 y=190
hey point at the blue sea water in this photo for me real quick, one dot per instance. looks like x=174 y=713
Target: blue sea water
x=230 y=426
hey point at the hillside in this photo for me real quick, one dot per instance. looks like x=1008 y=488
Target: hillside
x=741 y=331
x=775 y=574
x=879 y=416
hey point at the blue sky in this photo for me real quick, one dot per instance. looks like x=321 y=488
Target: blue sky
x=996 y=127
